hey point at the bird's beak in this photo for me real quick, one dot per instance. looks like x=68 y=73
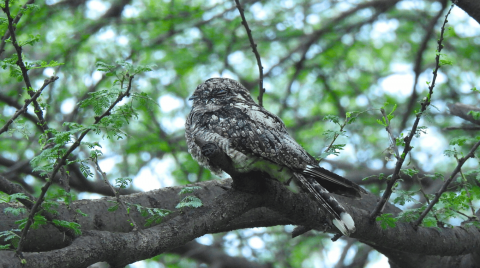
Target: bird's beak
x=193 y=97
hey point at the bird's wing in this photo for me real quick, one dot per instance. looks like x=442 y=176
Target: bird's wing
x=264 y=134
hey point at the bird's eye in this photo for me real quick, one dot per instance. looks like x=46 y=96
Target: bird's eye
x=221 y=93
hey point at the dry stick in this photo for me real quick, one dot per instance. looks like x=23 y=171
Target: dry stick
x=38 y=109
x=255 y=51
x=408 y=139
x=117 y=195
x=27 y=102
x=59 y=163
x=461 y=161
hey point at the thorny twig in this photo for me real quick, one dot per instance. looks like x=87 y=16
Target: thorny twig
x=255 y=51
x=408 y=139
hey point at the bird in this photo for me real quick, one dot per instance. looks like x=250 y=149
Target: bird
x=253 y=140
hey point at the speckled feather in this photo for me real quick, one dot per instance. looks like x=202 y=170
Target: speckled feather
x=225 y=114
x=249 y=128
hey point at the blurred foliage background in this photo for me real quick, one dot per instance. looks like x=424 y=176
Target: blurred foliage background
x=320 y=58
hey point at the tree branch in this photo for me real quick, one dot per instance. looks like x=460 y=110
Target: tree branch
x=407 y=148
x=255 y=51
x=461 y=110
x=457 y=169
x=27 y=102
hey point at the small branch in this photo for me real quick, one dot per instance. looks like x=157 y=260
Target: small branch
x=23 y=68
x=60 y=162
x=255 y=51
x=27 y=102
x=425 y=196
x=10 y=188
x=424 y=104
x=393 y=140
x=464 y=184
x=15 y=21
x=466 y=128
x=117 y=195
x=457 y=169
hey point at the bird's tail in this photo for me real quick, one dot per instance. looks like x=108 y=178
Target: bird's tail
x=341 y=219
x=334 y=183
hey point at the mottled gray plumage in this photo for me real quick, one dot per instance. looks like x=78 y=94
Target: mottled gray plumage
x=224 y=114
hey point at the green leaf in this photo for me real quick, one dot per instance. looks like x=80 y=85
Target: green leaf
x=387 y=220
x=122 y=183
x=445 y=62
x=409 y=172
x=114 y=207
x=81 y=213
x=70 y=225
x=189 y=189
x=332 y=118
x=190 y=201
x=459 y=140
x=474 y=114
x=44 y=64
x=15 y=211
x=30 y=41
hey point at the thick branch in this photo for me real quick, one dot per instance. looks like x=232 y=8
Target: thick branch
x=461 y=110
x=471 y=7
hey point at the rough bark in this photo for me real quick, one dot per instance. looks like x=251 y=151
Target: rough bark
x=106 y=235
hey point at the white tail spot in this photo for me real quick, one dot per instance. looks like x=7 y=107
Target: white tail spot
x=346 y=225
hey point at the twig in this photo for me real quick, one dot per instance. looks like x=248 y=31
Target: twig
x=117 y=194
x=61 y=161
x=464 y=184
x=23 y=68
x=425 y=195
x=408 y=139
x=255 y=51
x=393 y=141
x=457 y=169
x=27 y=102
x=467 y=128
x=417 y=69
x=15 y=21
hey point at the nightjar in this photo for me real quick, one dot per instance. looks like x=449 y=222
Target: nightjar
x=256 y=141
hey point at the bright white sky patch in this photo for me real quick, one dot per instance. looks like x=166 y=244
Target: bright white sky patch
x=398 y=84
x=258 y=11
x=313 y=19
x=49 y=71
x=105 y=35
x=206 y=239
x=95 y=9
x=169 y=103
x=236 y=58
x=68 y=105
x=130 y=12
x=156 y=174
x=256 y=243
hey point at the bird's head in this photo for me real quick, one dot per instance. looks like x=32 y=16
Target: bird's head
x=220 y=92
